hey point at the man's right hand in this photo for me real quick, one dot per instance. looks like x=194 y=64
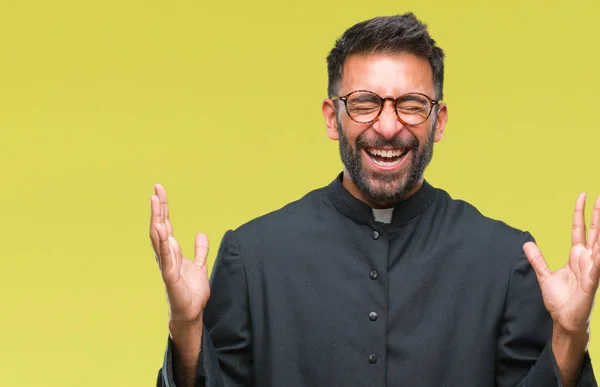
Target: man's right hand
x=186 y=283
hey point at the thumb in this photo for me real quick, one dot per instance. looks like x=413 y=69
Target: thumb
x=201 y=249
x=537 y=260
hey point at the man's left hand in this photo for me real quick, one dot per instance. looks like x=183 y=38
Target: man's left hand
x=569 y=292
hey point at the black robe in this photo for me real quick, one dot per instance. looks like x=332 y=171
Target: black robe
x=318 y=293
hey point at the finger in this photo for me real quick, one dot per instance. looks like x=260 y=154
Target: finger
x=578 y=233
x=175 y=248
x=535 y=257
x=165 y=215
x=201 y=249
x=162 y=195
x=595 y=271
x=595 y=254
x=154 y=220
x=593 y=240
x=168 y=223
x=165 y=254
x=594 y=226
x=596 y=249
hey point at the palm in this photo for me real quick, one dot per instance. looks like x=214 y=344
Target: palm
x=187 y=288
x=186 y=281
x=569 y=292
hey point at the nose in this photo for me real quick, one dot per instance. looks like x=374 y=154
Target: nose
x=387 y=124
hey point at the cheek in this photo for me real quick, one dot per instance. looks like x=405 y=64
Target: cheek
x=351 y=131
x=425 y=134
x=420 y=133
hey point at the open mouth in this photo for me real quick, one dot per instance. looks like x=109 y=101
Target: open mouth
x=386 y=158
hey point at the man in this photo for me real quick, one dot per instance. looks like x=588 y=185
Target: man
x=378 y=279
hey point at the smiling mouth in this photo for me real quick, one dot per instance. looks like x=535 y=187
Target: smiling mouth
x=386 y=157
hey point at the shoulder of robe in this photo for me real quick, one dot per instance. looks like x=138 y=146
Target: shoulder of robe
x=469 y=221
x=295 y=218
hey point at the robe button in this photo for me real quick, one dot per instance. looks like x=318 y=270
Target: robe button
x=372 y=316
x=372 y=358
x=373 y=275
x=375 y=234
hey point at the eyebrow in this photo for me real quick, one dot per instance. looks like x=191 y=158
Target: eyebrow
x=365 y=97
x=414 y=97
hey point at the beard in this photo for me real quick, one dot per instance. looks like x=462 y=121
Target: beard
x=386 y=187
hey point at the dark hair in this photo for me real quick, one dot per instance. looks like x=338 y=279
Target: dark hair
x=386 y=34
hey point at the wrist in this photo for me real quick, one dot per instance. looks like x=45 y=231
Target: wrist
x=184 y=323
x=569 y=349
x=186 y=337
x=570 y=337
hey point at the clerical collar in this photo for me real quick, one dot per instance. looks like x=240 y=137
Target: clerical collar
x=360 y=212
x=383 y=215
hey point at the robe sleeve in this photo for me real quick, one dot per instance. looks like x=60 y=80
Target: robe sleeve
x=226 y=354
x=524 y=356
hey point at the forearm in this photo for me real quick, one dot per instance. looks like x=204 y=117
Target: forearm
x=187 y=341
x=569 y=351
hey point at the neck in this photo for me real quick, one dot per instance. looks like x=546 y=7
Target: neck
x=349 y=184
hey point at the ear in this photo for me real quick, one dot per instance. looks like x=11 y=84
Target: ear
x=328 y=108
x=440 y=123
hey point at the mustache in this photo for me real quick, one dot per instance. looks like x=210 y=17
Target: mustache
x=379 y=142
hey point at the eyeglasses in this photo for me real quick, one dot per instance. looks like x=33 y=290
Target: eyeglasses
x=365 y=107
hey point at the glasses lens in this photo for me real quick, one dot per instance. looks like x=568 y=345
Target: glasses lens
x=363 y=106
x=413 y=109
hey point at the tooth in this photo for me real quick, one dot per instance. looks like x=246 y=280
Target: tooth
x=387 y=163
x=386 y=153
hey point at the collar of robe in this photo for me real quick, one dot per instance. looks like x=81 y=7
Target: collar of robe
x=360 y=212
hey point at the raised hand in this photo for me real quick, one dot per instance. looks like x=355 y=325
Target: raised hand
x=186 y=281
x=569 y=292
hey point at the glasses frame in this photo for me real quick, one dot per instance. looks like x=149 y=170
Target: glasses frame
x=344 y=98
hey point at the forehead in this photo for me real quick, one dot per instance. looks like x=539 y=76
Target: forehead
x=388 y=75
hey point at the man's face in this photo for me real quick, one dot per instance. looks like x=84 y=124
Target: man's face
x=385 y=160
